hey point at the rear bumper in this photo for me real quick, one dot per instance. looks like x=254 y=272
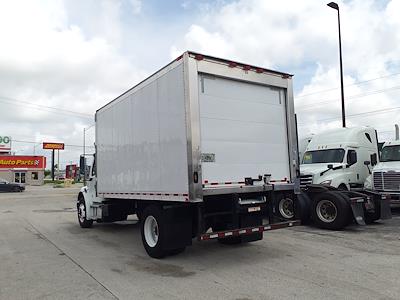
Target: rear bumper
x=247 y=230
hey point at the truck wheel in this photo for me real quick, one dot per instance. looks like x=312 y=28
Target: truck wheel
x=304 y=207
x=81 y=209
x=285 y=208
x=152 y=225
x=330 y=211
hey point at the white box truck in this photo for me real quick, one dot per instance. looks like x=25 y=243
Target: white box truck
x=201 y=148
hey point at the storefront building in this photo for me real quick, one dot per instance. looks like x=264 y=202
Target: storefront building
x=23 y=169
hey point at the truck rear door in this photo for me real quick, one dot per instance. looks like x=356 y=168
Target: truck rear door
x=243 y=130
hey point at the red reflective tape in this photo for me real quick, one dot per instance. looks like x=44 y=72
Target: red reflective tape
x=232 y=64
x=166 y=194
x=214 y=183
x=259 y=70
x=175 y=194
x=221 y=235
x=179 y=58
x=205 y=181
x=228 y=182
x=158 y=194
x=185 y=195
x=246 y=68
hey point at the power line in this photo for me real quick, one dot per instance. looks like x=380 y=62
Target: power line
x=53 y=109
x=372 y=112
x=356 y=83
x=365 y=94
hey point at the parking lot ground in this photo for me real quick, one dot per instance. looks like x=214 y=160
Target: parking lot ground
x=44 y=254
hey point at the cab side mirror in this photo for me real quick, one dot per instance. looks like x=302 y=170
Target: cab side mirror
x=330 y=166
x=367 y=163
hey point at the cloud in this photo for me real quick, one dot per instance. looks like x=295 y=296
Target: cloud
x=136 y=6
x=302 y=35
x=48 y=60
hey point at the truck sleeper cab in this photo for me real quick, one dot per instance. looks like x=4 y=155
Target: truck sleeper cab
x=202 y=148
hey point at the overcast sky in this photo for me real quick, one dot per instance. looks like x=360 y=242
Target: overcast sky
x=61 y=60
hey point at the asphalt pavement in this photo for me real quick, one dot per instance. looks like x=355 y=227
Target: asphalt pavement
x=44 y=254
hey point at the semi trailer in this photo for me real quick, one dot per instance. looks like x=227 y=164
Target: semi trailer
x=204 y=148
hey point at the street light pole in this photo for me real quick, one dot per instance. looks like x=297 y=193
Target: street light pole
x=336 y=7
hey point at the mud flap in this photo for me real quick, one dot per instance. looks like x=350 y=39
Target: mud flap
x=386 y=212
x=358 y=212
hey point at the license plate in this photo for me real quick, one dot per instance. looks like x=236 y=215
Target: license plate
x=253 y=209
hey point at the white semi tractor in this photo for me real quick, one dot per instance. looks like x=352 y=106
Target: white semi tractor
x=337 y=158
x=202 y=149
x=334 y=167
x=385 y=178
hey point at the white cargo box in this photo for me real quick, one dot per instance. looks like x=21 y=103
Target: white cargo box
x=198 y=123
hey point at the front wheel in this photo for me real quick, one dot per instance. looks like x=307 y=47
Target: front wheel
x=81 y=209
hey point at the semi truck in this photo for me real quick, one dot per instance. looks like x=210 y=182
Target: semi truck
x=336 y=157
x=334 y=167
x=204 y=148
x=385 y=177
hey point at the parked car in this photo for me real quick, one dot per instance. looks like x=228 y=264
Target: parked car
x=6 y=186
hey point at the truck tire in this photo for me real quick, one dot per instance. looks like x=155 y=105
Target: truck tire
x=304 y=207
x=284 y=208
x=330 y=211
x=152 y=227
x=81 y=210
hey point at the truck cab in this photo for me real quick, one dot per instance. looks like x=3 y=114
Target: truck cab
x=385 y=176
x=340 y=158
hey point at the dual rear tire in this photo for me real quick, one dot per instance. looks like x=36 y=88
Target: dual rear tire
x=153 y=231
x=331 y=210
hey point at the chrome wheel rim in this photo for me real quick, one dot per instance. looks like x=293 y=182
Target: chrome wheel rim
x=326 y=211
x=151 y=232
x=81 y=212
x=286 y=208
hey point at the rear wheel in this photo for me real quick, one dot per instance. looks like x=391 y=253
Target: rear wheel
x=81 y=209
x=152 y=227
x=285 y=208
x=330 y=211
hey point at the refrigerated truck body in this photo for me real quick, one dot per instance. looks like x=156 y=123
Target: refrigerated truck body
x=201 y=149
